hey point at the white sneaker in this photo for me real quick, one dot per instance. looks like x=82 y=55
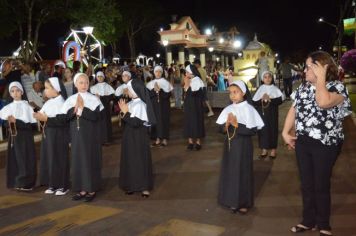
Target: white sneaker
x=210 y=113
x=50 y=191
x=61 y=192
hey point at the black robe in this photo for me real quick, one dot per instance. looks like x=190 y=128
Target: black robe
x=21 y=158
x=268 y=135
x=194 y=114
x=136 y=163
x=106 y=119
x=54 y=165
x=85 y=150
x=162 y=108
x=236 y=177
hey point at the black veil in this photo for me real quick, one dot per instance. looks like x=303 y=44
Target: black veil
x=142 y=92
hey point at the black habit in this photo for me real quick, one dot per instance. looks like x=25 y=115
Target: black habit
x=136 y=163
x=236 y=177
x=268 y=135
x=54 y=165
x=21 y=158
x=86 y=150
x=194 y=114
x=162 y=107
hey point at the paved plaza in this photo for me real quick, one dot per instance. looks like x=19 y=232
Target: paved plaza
x=184 y=199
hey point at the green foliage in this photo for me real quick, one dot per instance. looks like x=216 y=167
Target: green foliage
x=11 y=14
x=103 y=15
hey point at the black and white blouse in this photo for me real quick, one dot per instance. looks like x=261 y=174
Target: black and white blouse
x=324 y=125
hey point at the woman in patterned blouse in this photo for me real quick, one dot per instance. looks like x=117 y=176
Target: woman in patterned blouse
x=320 y=105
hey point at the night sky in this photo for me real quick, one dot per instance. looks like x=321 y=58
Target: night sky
x=287 y=26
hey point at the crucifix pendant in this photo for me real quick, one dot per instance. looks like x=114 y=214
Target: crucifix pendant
x=78 y=127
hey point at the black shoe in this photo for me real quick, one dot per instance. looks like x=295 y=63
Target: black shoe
x=89 y=197
x=233 y=210
x=272 y=157
x=190 y=146
x=262 y=156
x=155 y=144
x=197 y=147
x=129 y=192
x=145 y=195
x=78 y=197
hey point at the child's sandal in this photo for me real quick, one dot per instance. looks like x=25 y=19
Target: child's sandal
x=300 y=229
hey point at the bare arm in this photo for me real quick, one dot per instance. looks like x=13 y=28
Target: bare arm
x=324 y=98
x=288 y=127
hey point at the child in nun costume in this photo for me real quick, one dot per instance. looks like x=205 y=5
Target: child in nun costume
x=83 y=110
x=241 y=121
x=136 y=163
x=267 y=100
x=106 y=94
x=21 y=156
x=194 y=128
x=54 y=159
x=160 y=93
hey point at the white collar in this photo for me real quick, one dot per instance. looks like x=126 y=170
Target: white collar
x=271 y=90
x=137 y=108
x=162 y=83
x=245 y=114
x=196 y=83
x=120 y=90
x=90 y=101
x=102 y=89
x=21 y=110
x=53 y=106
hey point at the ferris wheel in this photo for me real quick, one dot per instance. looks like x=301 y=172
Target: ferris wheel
x=90 y=46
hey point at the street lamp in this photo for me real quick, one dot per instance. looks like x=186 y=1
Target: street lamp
x=211 y=49
x=237 y=44
x=239 y=54
x=321 y=20
x=88 y=30
x=158 y=55
x=276 y=55
x=165 y=42
x=221 y=40
x=208 y=32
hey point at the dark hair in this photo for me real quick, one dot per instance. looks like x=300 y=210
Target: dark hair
x=76 y=66
x=186 y=63
x=63 y=91
x=247 y=97
x=195 y=71
x=197 y=61
x=269 y=72
x=324 y=58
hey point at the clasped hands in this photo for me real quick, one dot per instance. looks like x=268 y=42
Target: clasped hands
x=231 y=120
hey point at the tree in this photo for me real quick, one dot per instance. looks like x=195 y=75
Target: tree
x=137 y=15
x=104 y=17
x=26 y=17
